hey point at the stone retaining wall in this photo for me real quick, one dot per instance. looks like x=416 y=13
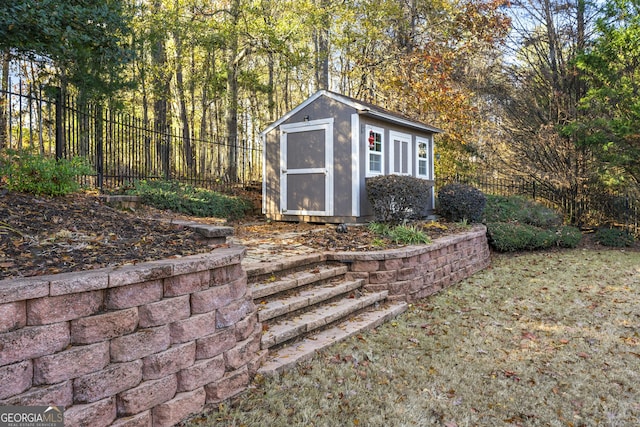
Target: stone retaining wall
x=152 y=343
x=138 y=345
x=415 y=272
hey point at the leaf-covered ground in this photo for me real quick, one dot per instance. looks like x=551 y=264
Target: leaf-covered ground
x=45 y=235
x=543 y=339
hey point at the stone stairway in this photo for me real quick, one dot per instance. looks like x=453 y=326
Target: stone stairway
x=305 y=304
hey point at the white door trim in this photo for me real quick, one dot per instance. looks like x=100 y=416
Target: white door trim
x=355 y=165
x=321 y=124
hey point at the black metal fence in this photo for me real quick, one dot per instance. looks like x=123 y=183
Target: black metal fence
x=583 y=206
x=121 y=148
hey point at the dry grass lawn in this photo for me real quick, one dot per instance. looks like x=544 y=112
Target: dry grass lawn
x=542 y=339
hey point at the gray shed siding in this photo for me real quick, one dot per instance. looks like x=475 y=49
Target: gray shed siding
x=365 y=207
x=322 y=108
x=349 y=165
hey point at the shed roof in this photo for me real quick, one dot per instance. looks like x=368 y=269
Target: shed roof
x=363 y=108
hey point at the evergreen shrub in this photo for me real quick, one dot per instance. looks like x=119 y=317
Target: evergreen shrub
x=614 y=237
x=520 y=209
x=460 y=202
x=569 y=236
x=512 y=237
x=518 y=224
x=397 y=198
x=27 y=172
x=178 y=197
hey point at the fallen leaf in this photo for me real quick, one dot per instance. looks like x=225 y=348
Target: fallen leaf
x=512 y=375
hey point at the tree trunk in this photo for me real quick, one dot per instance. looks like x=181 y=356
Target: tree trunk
x=322 y=48
x=140 y=67
x=205 y=149
x=4 y=98
x=231 y=111
x=553 y=60
x=161 y=90
x=186 y=133
x=231 y=122
x=580 y=45
x=271 y=103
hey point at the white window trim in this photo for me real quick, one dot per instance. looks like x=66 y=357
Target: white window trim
x=393 y=135
x=427 y=141
x=379 y=130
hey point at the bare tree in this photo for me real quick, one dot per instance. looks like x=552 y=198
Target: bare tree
x=321 y=41
x=540 y=98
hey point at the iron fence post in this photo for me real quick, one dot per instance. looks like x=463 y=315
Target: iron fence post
x=166 y=160
x=99 y=148
x=59 y=126
x=534 y=190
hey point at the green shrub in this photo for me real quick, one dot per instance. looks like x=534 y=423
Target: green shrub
x=397 y=198
x=460 y=202
x=186 y=199
x=569 y=236
x=542 y=239
x=520 y=209
x=515 y=223
x=614 y=237
x=41 y=175
x=511 y=237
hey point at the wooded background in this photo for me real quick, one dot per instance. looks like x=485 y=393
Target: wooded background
x=544 y=90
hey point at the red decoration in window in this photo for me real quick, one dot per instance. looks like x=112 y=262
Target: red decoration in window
x=372 y=140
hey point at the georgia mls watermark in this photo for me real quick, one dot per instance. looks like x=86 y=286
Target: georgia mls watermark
x=31 y=416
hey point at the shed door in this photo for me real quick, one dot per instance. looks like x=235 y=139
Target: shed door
x=306 y=168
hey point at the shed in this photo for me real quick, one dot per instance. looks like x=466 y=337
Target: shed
x=318 y=156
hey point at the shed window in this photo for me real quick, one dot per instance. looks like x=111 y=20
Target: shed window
x=400 y=162
x=374 y=151
x=422 y=157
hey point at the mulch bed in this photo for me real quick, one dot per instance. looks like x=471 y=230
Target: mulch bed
x=43 y=235
x=48 y=235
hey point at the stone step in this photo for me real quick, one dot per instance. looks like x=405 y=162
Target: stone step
x=299 y=300
x=321 y=316
x=262 y=271
x=295 y=280
x=287 y=357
